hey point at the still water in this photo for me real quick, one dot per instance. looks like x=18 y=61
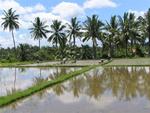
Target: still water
x=102 y=90
x=14 y=79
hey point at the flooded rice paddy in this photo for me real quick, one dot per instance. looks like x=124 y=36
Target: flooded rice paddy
x=14 y=79
x=102 y=90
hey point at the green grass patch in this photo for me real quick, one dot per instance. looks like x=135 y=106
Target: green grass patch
x=5 y=100
x=14 y=64
x=130 y=62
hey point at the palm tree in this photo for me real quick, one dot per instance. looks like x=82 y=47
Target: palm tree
x=125 y=29
x=147 y=18
x=129 y=29
x=134 y=30
x=74 y=30
x=39 y=30
x=92 y=27
x=112 y=30
x=10 y=22
x=57 y=33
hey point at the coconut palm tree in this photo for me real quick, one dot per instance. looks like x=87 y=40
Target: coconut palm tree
x=10 y=22
x=92 y=27
x=125 y=30
x=134 y=31
x=112 y=30
x=142 y=30
x=57 y=33
x=147 y=18
x=129 y=29
x=74 y=30
x=39 y=30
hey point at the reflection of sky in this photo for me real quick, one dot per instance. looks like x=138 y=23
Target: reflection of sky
x=24 y=78
x=68 y=103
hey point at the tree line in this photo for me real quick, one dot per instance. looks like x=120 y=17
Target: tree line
x=122 y=36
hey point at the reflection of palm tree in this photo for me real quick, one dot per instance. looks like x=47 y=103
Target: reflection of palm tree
x=10 y=92
x=95 y=85
x=39 y=80
x=77 y=85
x=15 y=80
x=127 y=84
x=22 y=70
x=59 y=89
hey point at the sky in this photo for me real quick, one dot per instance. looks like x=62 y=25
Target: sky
x=63 y=10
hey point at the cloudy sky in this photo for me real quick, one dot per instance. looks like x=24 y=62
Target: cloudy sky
x=63 y=10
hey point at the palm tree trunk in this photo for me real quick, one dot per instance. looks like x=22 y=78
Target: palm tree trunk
x=39 y=43
x=14 y=41
x=15 y=80
x=94 y=48
x=149 y=43
x=110 y=49
x=56 y=45
x=126 y=47
x=74 y=41
x=132 y=46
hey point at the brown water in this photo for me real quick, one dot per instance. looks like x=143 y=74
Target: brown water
x=13 y=79
x=102 y=90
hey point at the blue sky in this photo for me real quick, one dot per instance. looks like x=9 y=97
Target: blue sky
x=63 y=10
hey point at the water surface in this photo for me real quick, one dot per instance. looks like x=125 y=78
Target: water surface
x=102 y=90
x=13 y=79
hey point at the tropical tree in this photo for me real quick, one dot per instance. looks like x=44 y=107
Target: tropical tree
x=112 y=32
x=147 y=18
x=74 y=30
x=57 y=33
x=10 y=22
x=124 y=26
x=39 y=30
x=92 y=27
x=134 y=30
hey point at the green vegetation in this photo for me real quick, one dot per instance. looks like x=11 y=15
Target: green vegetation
x=10 y=22
x=130 y=62
x=39 y=30
x=22 y=94
x=14 y=64
x=123 y=36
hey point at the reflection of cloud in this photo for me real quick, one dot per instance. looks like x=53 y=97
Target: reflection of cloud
x=147 y=69
x=103 y=102
x=68 y=98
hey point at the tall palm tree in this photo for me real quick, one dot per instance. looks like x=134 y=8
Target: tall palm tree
x=143 y=29
x=57 y=33
x=134 y=30
x=74 y=30
x=112 y=30
x=92 y=27
x=39 y=30
x=125 y=30
x=147 y=18
x=10 y=22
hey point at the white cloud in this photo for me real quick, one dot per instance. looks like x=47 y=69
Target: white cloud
x=63 y=12
x=39 y=7
x=7 y=4
x=68 y=9
x=137 y=13
x=99 y=4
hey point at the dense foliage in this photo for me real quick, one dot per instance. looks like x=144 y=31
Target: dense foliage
x=127 y=36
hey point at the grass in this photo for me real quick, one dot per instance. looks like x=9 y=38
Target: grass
x=130 y=62
x=5 y=100
x=14 y=64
